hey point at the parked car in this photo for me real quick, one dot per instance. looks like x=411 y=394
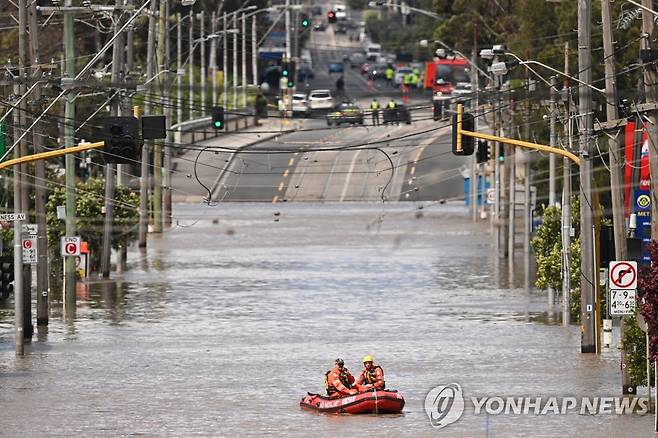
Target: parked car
x=400 y=73
x=346 y=112
x=400 y=114
x=319 y=26
x=356 y=59
x=336 y=67
x=320 y=100
x=299 y=105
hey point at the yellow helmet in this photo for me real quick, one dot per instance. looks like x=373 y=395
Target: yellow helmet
x=368 y=358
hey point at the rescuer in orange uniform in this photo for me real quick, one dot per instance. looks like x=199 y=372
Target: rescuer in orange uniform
x=338 y=381
x=372 y=376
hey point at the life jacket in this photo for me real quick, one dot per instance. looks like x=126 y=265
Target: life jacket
x=369 y=377
x=344 y=379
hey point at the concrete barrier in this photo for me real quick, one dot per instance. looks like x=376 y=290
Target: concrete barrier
x=197 y=130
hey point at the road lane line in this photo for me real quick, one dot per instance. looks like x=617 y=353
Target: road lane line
x=281 y=186
x=349 y=176
x=291 y=162
x=285 y=174
x=276 y=198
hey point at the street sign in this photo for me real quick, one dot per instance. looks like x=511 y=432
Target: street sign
x=622 y=302
x=623 y=275
x=491 y=196
x=70 y=246
x=12 y=217
x=29 y=249
x=29 y=242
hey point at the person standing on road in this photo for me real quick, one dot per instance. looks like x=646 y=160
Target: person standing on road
x=371 y=377
x=340 y=86
x=390 y=113
x=390 y=75
x=338 y=381
x=374 y=107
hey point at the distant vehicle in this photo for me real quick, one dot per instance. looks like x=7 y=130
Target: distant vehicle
x=320 y=100
x=378 y=71
x=346 y=112
x=299 y=104
x=400 y=73
x=356 y=59
x=373 y=51
x=341 y=11
x=319 y=26
x=340 y=28
x=336 y=67
x=316 y=10
x=462 y=92
x=443 y=75
x=305 y=72
x=400 y=114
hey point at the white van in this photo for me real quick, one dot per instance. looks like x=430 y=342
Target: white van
x=373 y=51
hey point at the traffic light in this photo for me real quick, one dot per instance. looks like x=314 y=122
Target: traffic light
x=483 y=151
x=501 y=154
x=217 y=117
x=462 y=144
x=6 y=276
x=331 y=16
x=121 y=137
x=305 y=22
x=288 y=70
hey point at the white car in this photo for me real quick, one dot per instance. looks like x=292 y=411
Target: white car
x=299 y=104
x=400 y=73
x=320 y=100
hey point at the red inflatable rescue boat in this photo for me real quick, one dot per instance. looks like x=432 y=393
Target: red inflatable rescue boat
x=372 y=402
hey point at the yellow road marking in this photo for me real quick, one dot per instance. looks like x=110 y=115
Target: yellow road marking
x=276 y=198
x=413 y=170
x=291 y=162
x=285 y=174
x=281 y=186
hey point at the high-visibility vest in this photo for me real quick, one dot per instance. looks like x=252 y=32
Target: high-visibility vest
x=392 y=105
x=374 y=105
x=414 y=79
x=389 y=73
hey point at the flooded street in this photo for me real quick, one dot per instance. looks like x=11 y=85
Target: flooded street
x=239 y=310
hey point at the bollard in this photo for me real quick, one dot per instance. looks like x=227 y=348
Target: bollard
x=607 y=333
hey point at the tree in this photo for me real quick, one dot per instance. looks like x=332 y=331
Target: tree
x=89 y=215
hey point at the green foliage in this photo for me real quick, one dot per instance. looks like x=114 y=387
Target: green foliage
x=634 y=342
x=547 y=245
x=89 y=223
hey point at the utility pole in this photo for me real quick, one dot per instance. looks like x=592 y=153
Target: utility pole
x=224 y=67
x=244 y=60
x=144 y=177
x=566 y=199
x=527 y=211
x=615 y=149
x=168 y=117
x=286 y=90
x=106 y=250
x=157 y=145
x=235 y=62
x=213 y=57
x=69 y=141
x=202 y=30
x=474 y=166
x=40 y=177
x=587 y=276
x=512 y=199
x=552 y=198
x=254 y=52
x=191 y=67
x=179 y=66
x=497 y=168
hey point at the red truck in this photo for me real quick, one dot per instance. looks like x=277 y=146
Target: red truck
x=442 y=75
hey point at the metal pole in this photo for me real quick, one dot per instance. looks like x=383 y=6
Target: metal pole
x=615 y=149
x=224 y=66
x=213 y=57
x=203 y=62
x=144 y=167
x=497 y=169
x=106 y=250
x=587 y=277
x=168 y=115
x=157 y=145
x=179 y=66
x=69 y=160
x=474 y=167
x=512 y=201
x=244 y=60
x=190 y=101
x=254 y=52
x=40 y=177
x=235 y=63
x=566 y=203
x=552 y=159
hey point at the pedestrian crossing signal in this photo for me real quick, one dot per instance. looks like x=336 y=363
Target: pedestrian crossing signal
x=462 y=144
x=217 y=117
x=483 y=151
x=6 y=276
x=305 y=22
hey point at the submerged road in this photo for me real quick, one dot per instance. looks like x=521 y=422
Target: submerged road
x=239 y=311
